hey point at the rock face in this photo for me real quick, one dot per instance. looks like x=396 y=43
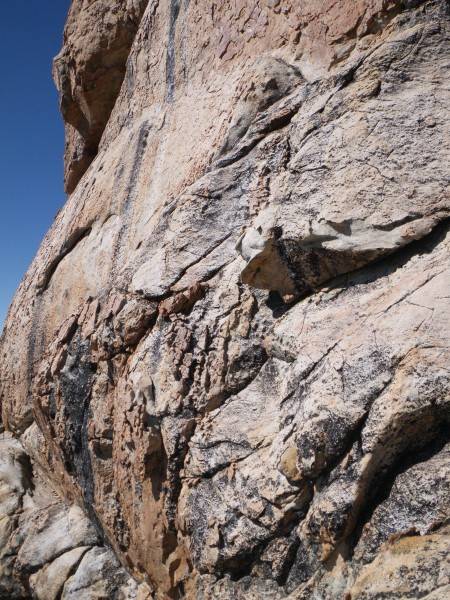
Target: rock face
x=49 y=549
x=89 y=73
x=228 y=361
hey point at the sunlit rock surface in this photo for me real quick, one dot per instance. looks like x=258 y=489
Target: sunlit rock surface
x=225 y=374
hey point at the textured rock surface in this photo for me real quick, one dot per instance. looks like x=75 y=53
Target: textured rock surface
x=89 y=72
x=49 y=549
x=232 y=346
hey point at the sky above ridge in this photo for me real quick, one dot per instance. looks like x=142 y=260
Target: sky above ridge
x=31 y=135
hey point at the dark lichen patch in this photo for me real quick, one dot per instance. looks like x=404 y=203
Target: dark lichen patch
x=175 y=6
x=311 y=265
x=384 y=496
x=74 y=390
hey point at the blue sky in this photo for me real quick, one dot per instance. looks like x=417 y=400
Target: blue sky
x=31 y=135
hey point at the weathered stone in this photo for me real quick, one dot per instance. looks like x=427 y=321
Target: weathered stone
x=89 y=72
x=100 y=575
x=418 y=500
x=43 y=540
x=232 y=346
x=49 y=581
x=410 y=567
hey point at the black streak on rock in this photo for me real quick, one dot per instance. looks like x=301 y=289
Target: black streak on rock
x=170 y=58
x=75 y=388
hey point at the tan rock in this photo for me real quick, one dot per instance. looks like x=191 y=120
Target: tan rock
x=397 y=570
x=232 y=346
x=43 y=540
x=89 y=72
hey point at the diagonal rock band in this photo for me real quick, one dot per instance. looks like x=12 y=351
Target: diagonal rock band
x=225 y=374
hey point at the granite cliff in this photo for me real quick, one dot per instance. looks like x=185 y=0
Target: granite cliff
x=225 y=374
